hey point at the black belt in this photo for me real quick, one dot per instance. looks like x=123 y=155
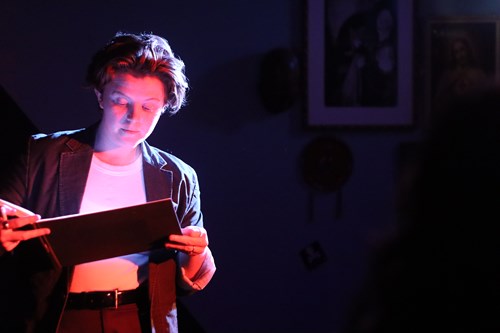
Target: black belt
x=105 y=299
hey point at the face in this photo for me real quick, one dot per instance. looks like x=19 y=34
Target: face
x=131 y=108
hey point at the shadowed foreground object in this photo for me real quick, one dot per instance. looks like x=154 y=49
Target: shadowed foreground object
x=14 y=128
x=440 y=273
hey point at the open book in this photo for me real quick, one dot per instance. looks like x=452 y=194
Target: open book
x=79 y=238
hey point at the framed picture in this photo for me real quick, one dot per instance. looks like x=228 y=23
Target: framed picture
x=359 y=63
x=462 y=55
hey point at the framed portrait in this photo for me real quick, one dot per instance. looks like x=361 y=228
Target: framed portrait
x=359 y=63
x=462 y=56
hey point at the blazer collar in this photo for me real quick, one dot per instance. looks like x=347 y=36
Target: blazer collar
x=75 y=164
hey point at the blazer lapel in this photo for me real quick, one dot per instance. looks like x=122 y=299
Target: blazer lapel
x=158 y=182
x=73 y=177
x=74 y=168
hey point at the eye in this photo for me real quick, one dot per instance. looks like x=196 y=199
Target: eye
x=120 y=101
x=150 y=107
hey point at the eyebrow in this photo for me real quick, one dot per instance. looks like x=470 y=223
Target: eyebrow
x=117 y=92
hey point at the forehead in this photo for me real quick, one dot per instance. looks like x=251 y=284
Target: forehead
x=144 y=87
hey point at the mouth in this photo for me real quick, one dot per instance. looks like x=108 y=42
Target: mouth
x=128 y=131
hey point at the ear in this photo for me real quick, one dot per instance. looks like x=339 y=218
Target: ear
x=98 y=94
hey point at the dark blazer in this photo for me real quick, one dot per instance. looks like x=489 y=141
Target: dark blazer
x=50 y=180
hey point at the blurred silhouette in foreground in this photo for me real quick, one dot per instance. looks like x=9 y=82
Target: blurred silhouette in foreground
x=440 y=272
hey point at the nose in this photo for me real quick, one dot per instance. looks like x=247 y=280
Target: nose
x=133 y=112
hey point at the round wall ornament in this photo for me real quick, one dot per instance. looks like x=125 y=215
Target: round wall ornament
x=326 y=164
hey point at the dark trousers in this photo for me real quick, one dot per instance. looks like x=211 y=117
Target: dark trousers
x=125 y=318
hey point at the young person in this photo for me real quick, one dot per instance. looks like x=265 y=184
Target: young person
x=136 y=79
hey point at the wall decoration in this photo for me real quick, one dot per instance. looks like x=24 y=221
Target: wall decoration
x=462 y=56
x=326 y=165
x=279 y=80
x=359 y=63
x=313 y=255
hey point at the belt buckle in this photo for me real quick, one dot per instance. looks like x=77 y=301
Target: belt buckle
x=116 y=294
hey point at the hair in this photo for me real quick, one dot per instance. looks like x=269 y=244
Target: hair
x=141 y=55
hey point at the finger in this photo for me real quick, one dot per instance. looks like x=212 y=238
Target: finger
x=193 y=252
x=175 y=246
x=25 y=235
x=180 y=247
x=22 y=221
x=191 y=235
x=9 y=210
x=10 y=239
x=190 y=250
x=15 y=209
x=9 y=246
x=3 y=214
x=188 y=240
x=193 y=231
x=198 y=232
x=17 y=236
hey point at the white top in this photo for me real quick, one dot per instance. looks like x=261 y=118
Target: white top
x=109 y=187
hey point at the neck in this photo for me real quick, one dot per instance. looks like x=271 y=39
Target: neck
x=114 y=154
x=119 y=156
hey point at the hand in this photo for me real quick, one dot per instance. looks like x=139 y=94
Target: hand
x=193 y=242
x=9 y=236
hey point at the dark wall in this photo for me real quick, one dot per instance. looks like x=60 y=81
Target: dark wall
x=257 y=208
